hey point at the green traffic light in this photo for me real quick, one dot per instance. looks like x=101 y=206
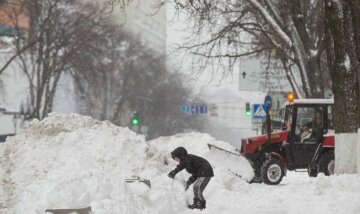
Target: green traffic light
x=247 y=109
x=135 y=121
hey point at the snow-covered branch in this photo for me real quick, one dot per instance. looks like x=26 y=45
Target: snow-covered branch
x=270 y=20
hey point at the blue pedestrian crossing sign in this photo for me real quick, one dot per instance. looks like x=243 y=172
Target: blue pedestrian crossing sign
x=259 y=111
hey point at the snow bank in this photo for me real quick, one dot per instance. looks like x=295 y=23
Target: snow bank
x=68 y=160
x=71 y=160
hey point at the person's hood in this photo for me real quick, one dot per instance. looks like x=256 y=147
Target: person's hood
x=179 y=152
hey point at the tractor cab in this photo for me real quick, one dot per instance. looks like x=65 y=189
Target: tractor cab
x=306 y=141
x=309 y=123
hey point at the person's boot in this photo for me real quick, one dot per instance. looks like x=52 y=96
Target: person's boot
x=197 y=204
x=203 y=204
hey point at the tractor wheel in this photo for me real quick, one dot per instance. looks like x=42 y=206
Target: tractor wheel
x=312 y=172
x=327 y=163
x=272 y=171
x=256 y=179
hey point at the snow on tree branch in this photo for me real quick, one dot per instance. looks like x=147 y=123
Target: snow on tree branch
x=271 y=22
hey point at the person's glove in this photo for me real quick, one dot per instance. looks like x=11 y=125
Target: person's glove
x=188 y=183
x=172 y=174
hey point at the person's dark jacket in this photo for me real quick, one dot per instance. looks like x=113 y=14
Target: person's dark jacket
x=317 y=131
x=195 y=165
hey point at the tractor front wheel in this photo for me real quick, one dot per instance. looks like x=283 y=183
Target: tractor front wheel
x=272 y=171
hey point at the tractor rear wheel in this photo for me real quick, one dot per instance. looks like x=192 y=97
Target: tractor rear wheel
x=272 y=171
x=327 y=163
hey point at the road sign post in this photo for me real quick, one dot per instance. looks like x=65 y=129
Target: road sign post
x=268 y=104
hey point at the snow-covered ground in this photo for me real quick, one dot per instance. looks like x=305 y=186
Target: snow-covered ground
x=69 y=160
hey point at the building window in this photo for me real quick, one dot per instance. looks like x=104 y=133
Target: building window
x=9 y=31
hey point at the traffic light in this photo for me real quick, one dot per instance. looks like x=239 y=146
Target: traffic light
x=247 y=109
x=135 y=119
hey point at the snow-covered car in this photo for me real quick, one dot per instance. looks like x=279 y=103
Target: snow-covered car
x=306 y=142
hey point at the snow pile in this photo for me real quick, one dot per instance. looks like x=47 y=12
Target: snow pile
x=70 y=160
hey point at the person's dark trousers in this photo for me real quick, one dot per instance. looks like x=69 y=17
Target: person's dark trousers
x=199 y=187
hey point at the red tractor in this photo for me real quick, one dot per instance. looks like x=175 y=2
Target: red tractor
x=306 y=141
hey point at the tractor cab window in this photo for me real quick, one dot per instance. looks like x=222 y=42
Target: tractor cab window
x=331 y=119
x=287 y=123
x=309 y=124
x=282 y=118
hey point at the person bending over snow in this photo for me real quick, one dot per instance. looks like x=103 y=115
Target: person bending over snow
x=200 y=170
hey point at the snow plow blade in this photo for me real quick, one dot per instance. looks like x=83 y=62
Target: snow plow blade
x=80 y=210
x=224 y=150
x=228 y=155
x=138 y=179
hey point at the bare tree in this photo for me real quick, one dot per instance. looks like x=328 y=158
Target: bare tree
x=164 y=117
x=123 y=76
x=59 y=31
x=109 y=83
x=309 y=37
x=228 y=30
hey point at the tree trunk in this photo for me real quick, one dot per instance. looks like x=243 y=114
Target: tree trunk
x=351 y=46
x=345 y=89
x=311 y=61
x=105 y=89
x=344 y=83
x=355 y=16
x=314 y=73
